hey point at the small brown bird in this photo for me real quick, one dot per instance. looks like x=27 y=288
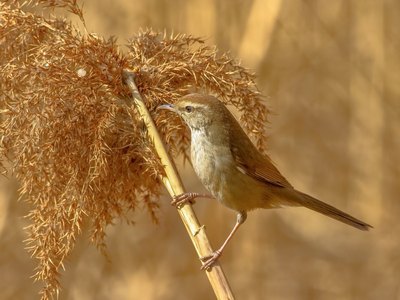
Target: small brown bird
x=234 y=171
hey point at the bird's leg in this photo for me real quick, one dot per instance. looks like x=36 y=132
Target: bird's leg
x=184 y=198
x=210 y=259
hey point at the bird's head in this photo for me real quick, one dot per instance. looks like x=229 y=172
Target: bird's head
x=198 y=110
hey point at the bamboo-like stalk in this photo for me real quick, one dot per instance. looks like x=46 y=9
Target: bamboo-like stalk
x=174 y=186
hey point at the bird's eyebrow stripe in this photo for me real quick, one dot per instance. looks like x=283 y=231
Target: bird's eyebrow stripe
x=196 y=105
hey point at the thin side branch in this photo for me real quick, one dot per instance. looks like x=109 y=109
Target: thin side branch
x=174 y=186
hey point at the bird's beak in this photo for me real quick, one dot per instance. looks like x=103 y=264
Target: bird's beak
x=167 y=107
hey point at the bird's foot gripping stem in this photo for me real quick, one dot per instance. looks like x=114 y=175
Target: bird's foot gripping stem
x=184 y=198
x=209 y=260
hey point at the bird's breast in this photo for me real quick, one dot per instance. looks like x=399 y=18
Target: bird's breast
x=209 y=161
x=216 y=169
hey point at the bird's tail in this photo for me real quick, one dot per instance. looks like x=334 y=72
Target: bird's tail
x=328 y=210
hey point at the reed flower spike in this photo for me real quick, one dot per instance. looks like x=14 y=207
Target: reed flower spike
x=72 y=138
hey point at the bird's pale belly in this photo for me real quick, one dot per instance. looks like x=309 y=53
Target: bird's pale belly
x=217 y=172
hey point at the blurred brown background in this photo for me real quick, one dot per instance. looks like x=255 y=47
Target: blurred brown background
x=330 y=70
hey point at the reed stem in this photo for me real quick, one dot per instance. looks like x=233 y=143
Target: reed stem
x=175 y=187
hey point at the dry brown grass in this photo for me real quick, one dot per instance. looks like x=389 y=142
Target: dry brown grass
x=66 y=126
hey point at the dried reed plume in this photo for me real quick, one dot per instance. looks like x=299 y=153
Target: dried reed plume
x=67 y=129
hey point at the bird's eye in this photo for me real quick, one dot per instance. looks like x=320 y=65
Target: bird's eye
x=189 y=108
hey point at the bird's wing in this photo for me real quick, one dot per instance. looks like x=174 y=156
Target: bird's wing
x=254 y=164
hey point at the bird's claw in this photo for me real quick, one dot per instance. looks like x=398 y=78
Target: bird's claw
x=209 y=260
x=184 y=198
